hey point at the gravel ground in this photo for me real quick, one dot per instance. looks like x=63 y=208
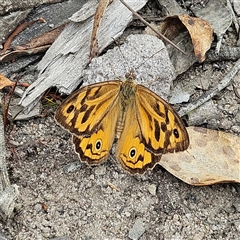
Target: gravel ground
x=104 y=202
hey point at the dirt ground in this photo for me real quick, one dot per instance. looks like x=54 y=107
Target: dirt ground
x=63 y=198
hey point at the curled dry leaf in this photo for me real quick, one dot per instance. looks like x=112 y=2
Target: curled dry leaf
x=212 y=157
x=5 y=82
x=200 y=32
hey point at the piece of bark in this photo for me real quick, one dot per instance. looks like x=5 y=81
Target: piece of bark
x=63 y=63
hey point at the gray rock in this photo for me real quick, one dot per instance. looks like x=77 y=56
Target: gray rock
x=137 y=230
x=152 y=188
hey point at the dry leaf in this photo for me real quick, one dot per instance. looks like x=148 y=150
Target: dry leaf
x=212 y=157
x=200 y=32
x=5 y=82
x=36 y=45
x=17 y=30
x=12 y=55
x=44 y=39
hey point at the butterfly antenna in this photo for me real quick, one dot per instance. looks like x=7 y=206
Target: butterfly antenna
x=113 y=70
x=148 y=58
x=125 y=62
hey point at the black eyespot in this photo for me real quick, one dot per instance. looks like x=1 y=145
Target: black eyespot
x=175 y=132
x=70 y=108
x=132 y=152
x=98 y=144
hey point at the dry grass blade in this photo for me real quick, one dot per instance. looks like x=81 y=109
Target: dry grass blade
x=97 y=20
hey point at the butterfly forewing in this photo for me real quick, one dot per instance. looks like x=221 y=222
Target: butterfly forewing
x=82 y=111
x=162 y=129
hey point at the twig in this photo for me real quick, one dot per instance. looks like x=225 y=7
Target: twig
x=6 y=107
x=17 y=30
x=102 y=5
x=145 y=22
x=212 y=92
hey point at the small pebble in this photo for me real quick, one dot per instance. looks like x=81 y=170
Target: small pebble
x=152 y=188
x=100 y=170
x=38 y=207
x=137 y=230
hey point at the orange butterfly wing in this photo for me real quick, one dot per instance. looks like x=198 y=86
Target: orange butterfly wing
x=151 y=128
x=84 y=114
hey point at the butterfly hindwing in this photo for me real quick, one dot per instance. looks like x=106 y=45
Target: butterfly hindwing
x=94 y=148
x=131 y=151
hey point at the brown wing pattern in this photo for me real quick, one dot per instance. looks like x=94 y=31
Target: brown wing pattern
x=83 y=110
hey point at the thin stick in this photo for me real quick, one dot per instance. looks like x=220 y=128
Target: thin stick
x=146 y=23
x=17 y=30
x=212 y=92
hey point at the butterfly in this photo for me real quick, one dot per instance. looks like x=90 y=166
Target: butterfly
x=144 y=125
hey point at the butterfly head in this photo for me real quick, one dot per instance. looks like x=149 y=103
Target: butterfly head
x=131 y=76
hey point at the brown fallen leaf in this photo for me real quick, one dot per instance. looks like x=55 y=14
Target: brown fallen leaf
x=43 y=39
x=5 y=82
x=201 y=34
x=36 y=45
x=212 y=157
x=199 y=30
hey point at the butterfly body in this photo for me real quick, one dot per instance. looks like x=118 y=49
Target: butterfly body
x=144 y=124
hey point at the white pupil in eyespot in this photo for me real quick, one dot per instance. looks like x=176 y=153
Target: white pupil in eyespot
x=98 y=144
x=132 y=152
